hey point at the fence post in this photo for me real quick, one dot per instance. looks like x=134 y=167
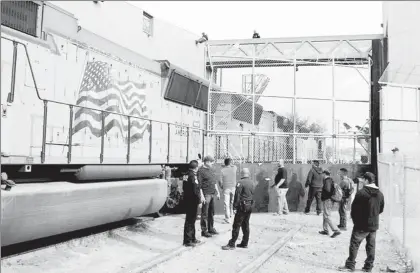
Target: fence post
x=101 y=156
x=404 y=202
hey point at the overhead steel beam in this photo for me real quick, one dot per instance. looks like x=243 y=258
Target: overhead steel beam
x=297 y=39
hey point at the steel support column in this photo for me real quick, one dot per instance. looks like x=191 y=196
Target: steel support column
x=378 y=65
x=294 y=111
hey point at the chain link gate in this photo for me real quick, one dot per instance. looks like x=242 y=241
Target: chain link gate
x=259 y=99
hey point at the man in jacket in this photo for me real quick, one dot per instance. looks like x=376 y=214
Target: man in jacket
x=367 y=205
x=192 y=197
x=347 y=187
x=315 y=182
x=327 y=204
x=227 y=184
x=281 y=186
x=243 y=206
x=207 y=180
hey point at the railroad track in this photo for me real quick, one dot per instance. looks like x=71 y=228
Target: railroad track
x=183 y=255
x=156 y=247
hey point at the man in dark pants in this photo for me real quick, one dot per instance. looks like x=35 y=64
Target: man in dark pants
x=192 y=197
x=347 y=187
x=207 y=180
x=315 y=182
x=243 y=206
x=367 y=205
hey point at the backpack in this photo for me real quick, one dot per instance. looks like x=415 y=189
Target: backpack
x=337 y=193
x=348 y=189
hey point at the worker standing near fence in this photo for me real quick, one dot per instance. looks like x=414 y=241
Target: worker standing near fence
x=227 y=184
x=328 y=191
x=243 y=205
x=346 y=185
x=367 y=206
x=315 y=182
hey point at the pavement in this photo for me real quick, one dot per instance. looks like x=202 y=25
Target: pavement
x=285 y=243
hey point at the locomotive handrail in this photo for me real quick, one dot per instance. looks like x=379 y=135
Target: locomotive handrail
x=90 y=108
x=71 y=107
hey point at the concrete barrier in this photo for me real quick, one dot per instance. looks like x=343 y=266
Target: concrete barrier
x=265 y=198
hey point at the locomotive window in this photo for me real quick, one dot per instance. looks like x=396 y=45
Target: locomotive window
x=182 y=90
x=202 y=99
x=20 y=15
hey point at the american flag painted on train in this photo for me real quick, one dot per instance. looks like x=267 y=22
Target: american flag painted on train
x=99 y=90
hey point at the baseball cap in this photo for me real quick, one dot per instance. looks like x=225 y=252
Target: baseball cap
x=245 y=173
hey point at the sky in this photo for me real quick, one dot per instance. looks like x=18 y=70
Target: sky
x=238 y=20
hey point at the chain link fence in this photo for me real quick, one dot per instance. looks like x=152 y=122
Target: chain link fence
x=399 y=180
x=296 y=100
x=301 y=149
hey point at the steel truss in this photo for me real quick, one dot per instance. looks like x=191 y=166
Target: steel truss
x=348 y=51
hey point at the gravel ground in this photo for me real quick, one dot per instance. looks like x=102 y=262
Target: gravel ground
x=125 y=250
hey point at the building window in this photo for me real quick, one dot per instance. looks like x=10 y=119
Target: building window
x=20 y=15
x=147 y=23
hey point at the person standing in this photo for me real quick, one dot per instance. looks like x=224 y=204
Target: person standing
x=368 y=204
x=207 y=180
x=243 y=205
x=315 y=183
x=227 y=184
x=280 y=184
x=193 y=196
x=327 y=204
x=294 y=193
x=347 y=187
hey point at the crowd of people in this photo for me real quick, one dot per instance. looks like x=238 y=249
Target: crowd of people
x=201 y=188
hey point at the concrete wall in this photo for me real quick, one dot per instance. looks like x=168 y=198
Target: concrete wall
x=261 y=195
x=400 y=108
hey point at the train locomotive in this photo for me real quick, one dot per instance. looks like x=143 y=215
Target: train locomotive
x=86 y=127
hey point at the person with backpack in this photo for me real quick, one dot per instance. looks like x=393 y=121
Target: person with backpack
x=331 y=192
x=347 y=187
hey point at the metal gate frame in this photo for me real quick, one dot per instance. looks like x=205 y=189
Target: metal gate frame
x=326 y=51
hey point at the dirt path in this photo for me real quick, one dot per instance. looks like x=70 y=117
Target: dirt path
x=130 y=249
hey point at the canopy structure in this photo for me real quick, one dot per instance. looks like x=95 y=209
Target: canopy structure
x=401 y=75
x=343 y=50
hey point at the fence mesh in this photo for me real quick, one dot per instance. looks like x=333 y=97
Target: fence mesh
x=399 y=180
x=275 y=95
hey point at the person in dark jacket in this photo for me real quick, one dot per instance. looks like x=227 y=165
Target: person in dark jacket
x=295 y=192
x=243 y=205
x=367 y=205
x=208 y=180
x=192 y=198
x=327 y=204
x=315 y=182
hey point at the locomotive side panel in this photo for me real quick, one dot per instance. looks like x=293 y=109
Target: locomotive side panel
x=69 y=73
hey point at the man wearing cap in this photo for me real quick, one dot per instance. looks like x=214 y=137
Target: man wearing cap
x=315 y=182
x=192 y=197
x=327 y=204
x=207 y=180
x=367 y=206
x=243 y=205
